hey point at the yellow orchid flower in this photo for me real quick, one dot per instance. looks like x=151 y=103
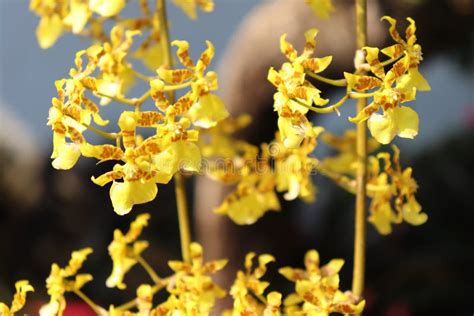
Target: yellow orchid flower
x=193 y=291
x=107 y=8
x=293 y=168
x=321 y=8
x=317 y=289
x=412 y=50
x=50 y=26
x=290 y=79
x=67 y=117
x=189 y=6
x=125 y=249
x=345 y=160
x=393 y=193
x=60 y=15
x=396 y=119
x=294 y=93
x=248 y=284
x=253 y=197
x=203 y=108
x=152 y=161
x=273 y=304
x=19 y=299
x=59 y=282
x=294 y=127
x=225 y=156
x=116 y=76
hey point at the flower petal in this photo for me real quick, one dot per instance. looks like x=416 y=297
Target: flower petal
x=208 y=111
x=125 y=195
x=406 y=121
x=382 y=127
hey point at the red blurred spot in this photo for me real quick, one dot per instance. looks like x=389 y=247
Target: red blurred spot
x=469 y=116
x=398 y=309
x=78 y=308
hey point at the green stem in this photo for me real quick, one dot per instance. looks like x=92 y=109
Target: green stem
x=100 y=132
x=358 y=274
x=151 y=272
x=97 y=309
x=132 y=303
x=183 y=218
x=141 y=76
x=360 y=95
x=332 y=108
x=333 y=82
x=118 y=99
x=177 y=86
x=180 y=189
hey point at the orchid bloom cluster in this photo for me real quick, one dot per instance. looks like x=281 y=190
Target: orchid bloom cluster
x=90 y=17
x=104 y=71
x=258 y=173
x=187 y=128
x=391 y=188
x=296 y=95
x=190 y=286
x=316 y=290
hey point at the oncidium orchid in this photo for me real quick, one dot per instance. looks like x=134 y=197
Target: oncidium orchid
x=186 y=130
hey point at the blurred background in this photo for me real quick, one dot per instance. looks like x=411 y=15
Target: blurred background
x=45 y=214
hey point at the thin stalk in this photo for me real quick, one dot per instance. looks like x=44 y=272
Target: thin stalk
x=151 y=272
x=132 y=303
x=177 y=86
x=141 y=76
x=358 y=274
x=97 y=309
x=333 y=82
x=180 y=189
x=118 y=99
x=391 y=60
x=100 y=132
x=360 y=95
x=331 y=108
x=183 y=218
x=141 y=100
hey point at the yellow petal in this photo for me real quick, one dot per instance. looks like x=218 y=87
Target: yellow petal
x=208 y=111
x=67 y=156
x=247 y=210
x=125 y=195
x=287 y=49
x=382 y=127
x=365 y=113
x=152 y=57
x=48 y=31
x=406 y=121
x=188 y=6
x=179 y=155
x=321 y=8
x=382 y=217
x=107 y=8
x=362 y=83
x=374 y=62
x=317 y=65
x=19 y=299
x=183 y=52
x=78 y=16
x=393 y=51
x=417 y=79
x=412 y=212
